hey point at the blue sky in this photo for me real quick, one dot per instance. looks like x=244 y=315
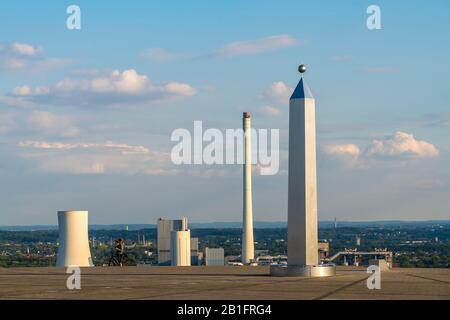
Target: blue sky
x=382 y=99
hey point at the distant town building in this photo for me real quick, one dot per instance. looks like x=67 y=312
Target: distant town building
x=232 y=259
x=381 y=263
x=214 y=257
x=194 y=252
x=261 y=252
x=324 y=250
x=164 y=236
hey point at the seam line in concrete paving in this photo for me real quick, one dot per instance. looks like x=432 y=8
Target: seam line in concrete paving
x=326 y=295
x=426 y=278
x=221 y=288
x=138 y=274
x=213 y=289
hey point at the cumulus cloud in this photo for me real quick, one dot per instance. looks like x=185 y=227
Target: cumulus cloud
x=26 y=57
x=257 y=46
x=343 y=149
x=348 y=153
x=270 y=111
x=401 y=144
x=278 y=92
x=116 y=88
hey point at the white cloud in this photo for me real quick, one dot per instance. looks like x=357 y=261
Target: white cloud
x=110 y=158
x=25 y=49
x=21 y=91
x=122 y=148
x=36 y=123
x=95 y=158
x=278 y=92
x=257 y=46
x=117 y=88
x=162 y=55
x=128 y=81
x=343 y=149
x=401 y=144
x=54 y=124
x=347 y=153
x=26 y=57
x=270 y=111
x=230 y=50
x=398 y=146
x=180 y=89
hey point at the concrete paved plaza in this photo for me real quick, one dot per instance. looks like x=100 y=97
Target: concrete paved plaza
x=228 y=283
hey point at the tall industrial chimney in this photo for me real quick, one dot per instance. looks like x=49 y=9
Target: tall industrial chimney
x=248 y=252
x=73 y=240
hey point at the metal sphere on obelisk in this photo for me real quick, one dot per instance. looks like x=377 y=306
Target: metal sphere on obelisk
x=303 y=257
x=302 y=69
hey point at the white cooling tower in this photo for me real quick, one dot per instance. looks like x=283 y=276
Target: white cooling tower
x=180 y=248
x=73 y=239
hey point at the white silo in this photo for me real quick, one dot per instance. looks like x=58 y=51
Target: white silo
x=73 y=239
x=180 y=248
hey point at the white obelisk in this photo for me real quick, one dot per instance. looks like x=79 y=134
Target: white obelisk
x=303 y=257
x=302 y=189
x=248 y=251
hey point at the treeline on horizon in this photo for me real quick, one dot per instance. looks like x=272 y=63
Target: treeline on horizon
x=323 y=224
x=348 y=233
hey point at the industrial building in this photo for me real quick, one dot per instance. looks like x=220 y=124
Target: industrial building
x=165 y=227
x=194 y=252
x=214 y=257
x=180 y=248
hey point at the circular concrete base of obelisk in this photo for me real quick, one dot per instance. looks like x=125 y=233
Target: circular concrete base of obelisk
x=322 y=270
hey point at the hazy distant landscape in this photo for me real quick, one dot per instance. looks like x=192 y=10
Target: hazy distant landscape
x=257 y=224
x=415 y=244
